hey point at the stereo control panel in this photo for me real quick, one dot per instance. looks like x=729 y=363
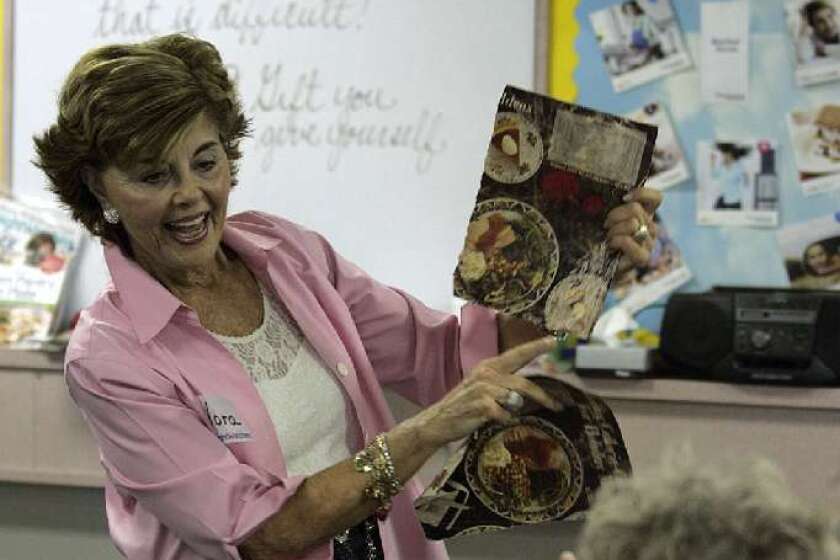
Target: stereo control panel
x=778 y=326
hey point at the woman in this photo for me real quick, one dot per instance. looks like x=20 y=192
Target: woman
x=231 y=372
x=819 y=32
x=40 y=252
x=819 y=260
x=644 y=33
x=731 y=177
x=821 y=265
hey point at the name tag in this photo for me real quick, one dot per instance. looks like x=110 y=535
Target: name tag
x=228 y=425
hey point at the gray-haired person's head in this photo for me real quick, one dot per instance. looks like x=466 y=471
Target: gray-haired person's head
x=685 y=511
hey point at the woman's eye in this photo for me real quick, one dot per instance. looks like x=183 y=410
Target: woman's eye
x=207 y=164
x=154 y=178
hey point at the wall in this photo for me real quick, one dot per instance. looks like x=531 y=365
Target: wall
x=46 y=522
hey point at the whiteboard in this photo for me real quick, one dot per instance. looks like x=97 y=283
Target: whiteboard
x=426 y=74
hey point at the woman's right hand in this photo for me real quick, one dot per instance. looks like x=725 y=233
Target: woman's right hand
x=476 y=399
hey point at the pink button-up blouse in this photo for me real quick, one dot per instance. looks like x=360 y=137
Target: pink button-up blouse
x=191 y=456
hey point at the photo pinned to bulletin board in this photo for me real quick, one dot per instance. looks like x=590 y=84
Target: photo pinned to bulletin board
x=665 y=272
x=724 y=51
x=811 y=252
x=814 y=27
x=737 y=183
x=815 y=138
x=640 y=41
x=668 y=165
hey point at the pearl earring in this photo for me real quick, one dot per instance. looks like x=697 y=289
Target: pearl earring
x=111 y=215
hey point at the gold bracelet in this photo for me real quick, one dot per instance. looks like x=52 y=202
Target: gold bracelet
x=375 y=462
x=390 y=480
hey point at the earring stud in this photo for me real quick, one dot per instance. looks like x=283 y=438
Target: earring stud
x=111 y=215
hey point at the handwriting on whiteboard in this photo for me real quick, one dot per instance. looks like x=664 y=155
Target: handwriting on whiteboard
x=292 y=109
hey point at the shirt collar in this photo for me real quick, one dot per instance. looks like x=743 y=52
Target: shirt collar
x=147 y=302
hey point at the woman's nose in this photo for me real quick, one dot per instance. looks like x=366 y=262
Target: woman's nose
x=189 y=189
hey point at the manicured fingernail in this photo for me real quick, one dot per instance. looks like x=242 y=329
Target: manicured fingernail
x=627 y=197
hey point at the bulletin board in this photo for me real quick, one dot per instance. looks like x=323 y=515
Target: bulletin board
x=716 y=254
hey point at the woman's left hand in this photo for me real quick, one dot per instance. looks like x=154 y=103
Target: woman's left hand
x=622 y=223
x=624 y=227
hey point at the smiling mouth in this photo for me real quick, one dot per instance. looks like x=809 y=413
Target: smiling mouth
x=190 y=231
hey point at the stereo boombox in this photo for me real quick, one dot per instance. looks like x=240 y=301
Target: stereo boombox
x=754 y=335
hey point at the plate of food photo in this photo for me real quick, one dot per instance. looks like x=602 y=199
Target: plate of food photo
x=575 y=303
x=510 y=256
x=816 y=139
x=516 y=149
x=527 y=473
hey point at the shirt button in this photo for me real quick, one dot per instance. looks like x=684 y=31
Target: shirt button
x=342 y=368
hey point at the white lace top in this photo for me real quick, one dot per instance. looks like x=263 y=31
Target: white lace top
x=310 y=411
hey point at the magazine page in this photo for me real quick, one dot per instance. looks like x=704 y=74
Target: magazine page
x=811 y=252
x=737 y=183
x=640 y=41
x=665 y=271
x=815 y=137
x=535 y=245
x=813 y=34
x=668 y=165
x=36 y=248
x=546 y=466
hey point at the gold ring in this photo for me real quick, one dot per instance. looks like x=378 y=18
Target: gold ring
x=641 y=233
x=513 y=401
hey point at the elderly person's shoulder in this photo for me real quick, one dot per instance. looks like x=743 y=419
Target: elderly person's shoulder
x=105 y=348
x=295 y=240
x=271 y=226
x=107 y=320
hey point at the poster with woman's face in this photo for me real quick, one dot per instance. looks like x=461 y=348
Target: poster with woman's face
x=737 y=183
x=668 y=165
x=814 y=28
x=640 y=41
x=811 y=252
x=815 y=137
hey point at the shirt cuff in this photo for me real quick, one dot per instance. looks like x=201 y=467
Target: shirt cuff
x=257 y=511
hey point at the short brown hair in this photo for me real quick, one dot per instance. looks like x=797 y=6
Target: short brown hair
x=126 y=102
x=811 y=8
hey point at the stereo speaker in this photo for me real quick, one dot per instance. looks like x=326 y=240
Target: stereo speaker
x=753 y=335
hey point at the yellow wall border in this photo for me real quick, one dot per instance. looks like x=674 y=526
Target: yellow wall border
x=5 y=95
x=562 y=57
